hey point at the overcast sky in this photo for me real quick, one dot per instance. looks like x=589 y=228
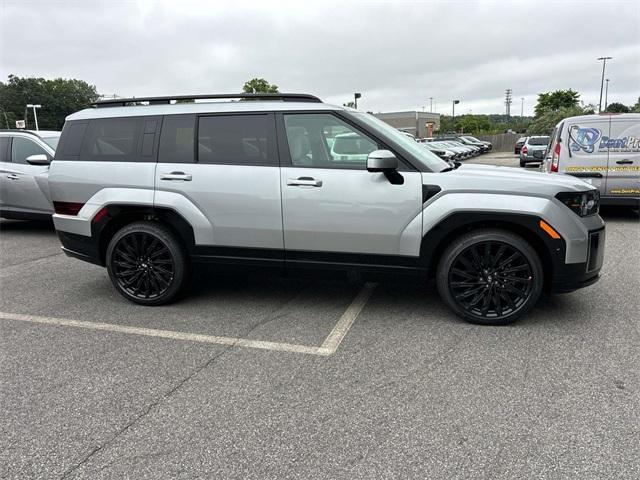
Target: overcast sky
x=398 y=54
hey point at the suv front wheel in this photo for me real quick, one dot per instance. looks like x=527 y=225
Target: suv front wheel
x=490 y=277
x=146 y=263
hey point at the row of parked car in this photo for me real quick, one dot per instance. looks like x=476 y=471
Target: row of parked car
x=455 y=147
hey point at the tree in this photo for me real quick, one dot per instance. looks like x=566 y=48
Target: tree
x=616 y=107
x=554 y=101
x=636 y=107
x=259 y=85
x=545 y=123
x=59 y=97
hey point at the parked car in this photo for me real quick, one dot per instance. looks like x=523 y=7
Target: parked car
x=24 y=168
x=484 y=146
x=601 y=149
x=444 y=154
x=462 y=152
x=151 y=190
x=475 y=141
x=518 y=145
x=534 y=149
x=471 y=149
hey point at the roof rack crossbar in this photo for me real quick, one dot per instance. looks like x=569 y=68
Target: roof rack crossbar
x=285 y=97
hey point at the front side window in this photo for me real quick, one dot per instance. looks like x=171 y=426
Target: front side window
x=112 y=139
x=322 y=140
x=21 y=148
x=237 y=140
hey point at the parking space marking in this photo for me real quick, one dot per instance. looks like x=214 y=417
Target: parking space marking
x=329 y=346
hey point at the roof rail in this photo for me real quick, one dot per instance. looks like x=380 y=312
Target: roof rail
x=285 y=97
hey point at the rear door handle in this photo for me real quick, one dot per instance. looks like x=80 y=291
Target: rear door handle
x=176 y=176
x=13 y=176
x=304 y=181
x=624 y=162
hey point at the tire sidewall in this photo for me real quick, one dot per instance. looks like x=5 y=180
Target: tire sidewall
x=480 y=236
x=177 y=254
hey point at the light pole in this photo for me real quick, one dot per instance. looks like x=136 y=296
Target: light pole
x=604 y=63
x=35 y=115
x=453 y=114
x=522 y=108
x=606 y=94
x=356 y=96
x=431 y=104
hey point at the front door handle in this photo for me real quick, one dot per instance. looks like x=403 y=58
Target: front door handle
x=13 y=176
x=304 y=181
x=176 y=176
x=624 y=162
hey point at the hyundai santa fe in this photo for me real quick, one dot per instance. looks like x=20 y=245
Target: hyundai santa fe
x=151 y=187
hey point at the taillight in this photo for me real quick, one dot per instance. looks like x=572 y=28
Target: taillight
x=67 y=208
x=555 y=158
x=524 y=150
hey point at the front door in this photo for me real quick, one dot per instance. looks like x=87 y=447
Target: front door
x=25 y=187
x=331 y=204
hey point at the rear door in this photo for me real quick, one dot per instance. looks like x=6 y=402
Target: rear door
x=623 y=178
x=586 y=156
x=226 y=166
x=25 y=186
x=4 y=160
x=333 y=207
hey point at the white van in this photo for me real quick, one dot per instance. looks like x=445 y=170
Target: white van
x=603 y=150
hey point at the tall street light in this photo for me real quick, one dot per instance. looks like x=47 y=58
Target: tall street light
x=35 y=115
x=453 y=113
x=522 y=108
x=431 y=104
x=356 y=96
x=606 y=94
x=604 y=63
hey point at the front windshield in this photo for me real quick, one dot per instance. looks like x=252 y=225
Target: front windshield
x=52 y=141
x=428 y=159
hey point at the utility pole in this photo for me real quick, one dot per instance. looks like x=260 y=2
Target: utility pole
x=431 y=104
x=606 y=94
x=604 y=63
x=507 y=101
x=522 y=108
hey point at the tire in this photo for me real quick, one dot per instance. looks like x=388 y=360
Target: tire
x=523 y=164
x=147 y=263
x=490 y=289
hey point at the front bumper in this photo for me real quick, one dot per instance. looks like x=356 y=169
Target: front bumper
x=568 y=277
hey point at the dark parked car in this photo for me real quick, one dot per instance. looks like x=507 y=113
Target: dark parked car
x=518 y=145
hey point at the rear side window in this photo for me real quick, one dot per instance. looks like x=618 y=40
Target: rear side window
x=177 y=139
x=71 y=140
x=112 y=139
x=237 y=140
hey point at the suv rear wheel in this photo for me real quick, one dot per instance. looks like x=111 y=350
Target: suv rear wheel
x=146 y=263
x=490 y=277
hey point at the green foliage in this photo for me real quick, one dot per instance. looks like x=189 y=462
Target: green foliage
x=259 y=85
x=59 y=97
x=636 y=107
x=554 y=101
x=616 y=107
x=545 y=123
x=483 y=124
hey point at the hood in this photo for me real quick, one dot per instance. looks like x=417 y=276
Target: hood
x=491 y=178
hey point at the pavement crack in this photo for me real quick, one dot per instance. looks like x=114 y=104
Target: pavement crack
x=144 y=413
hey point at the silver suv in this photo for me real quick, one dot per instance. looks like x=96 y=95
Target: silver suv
x=25 y=156
x=149 y=191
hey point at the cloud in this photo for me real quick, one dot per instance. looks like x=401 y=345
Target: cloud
x=398 y=54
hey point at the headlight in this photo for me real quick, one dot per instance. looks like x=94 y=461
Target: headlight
x=583 y=203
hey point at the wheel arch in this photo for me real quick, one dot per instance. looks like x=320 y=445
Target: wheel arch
x=526 y=226
x=113 y=217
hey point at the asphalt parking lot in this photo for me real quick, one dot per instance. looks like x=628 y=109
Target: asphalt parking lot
x=281 y=378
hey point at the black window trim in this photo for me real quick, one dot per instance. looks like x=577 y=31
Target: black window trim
x=271 y=126
x=285 y=154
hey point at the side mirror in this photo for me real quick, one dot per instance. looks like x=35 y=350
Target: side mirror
x=38 y=159
x=382 y=161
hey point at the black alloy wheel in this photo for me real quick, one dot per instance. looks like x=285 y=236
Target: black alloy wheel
x=146 y=263
x=491 y=279
x=490 y=276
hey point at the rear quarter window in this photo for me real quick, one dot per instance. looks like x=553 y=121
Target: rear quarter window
x=112 y=139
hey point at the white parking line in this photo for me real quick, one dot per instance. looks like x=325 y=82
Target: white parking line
x=329 y=346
